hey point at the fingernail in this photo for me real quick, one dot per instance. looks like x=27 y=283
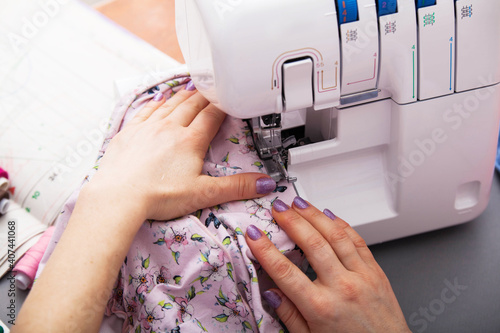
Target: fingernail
x=158 y=97
x=265 y=185
x=329 y=213
x=280 y=206
x=190 y=86
x=253 y=232
x=272 y=298
x=301 y=203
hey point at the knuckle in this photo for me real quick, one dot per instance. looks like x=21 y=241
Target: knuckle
x=316 y=214
x=292 y=218
x=337 y=235
x=243 y=187
x=267 y=253
x=316 y=243
x=267 y=249
x=190 y=102
x=165 y=108
x=140 y=117
x=349 y=290
x=213 y=111
x=359 y=242
x=283 y=270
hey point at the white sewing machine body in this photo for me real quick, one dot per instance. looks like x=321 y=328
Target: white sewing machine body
x=389 y=114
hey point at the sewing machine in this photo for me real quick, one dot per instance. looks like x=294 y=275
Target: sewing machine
x=386 y=112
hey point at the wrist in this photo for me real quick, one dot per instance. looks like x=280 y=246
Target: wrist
x=117 y=202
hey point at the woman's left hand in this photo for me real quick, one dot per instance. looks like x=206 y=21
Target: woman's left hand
x=151 y=169
x=155 y=163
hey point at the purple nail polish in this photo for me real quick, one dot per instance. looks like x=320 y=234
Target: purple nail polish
x=158 y=97
x=253 y=232
x=280 y=206
x=190 y=86
x=272 y=298
x=329 y=213
x=265 y=185
x=301 y=203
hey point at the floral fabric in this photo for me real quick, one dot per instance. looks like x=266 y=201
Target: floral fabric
x=196 y=273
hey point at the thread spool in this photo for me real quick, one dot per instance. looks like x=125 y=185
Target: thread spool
x=4 y=173
x=26 y=267
x=4 y=185
x=4 y=206
x=4 y=203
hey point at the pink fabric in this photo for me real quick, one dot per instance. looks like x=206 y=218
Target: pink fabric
x=196 y=273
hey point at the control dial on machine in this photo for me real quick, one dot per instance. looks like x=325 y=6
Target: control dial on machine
x=348 y=11
x=387 y=7
x=424 y=3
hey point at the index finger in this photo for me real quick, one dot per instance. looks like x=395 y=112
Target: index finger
x=208 y=122
x=180 y=98
x=287 y=276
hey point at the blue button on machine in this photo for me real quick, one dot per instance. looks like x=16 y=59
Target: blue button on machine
x=386 y=7
x=348 y=10
x=425 y=3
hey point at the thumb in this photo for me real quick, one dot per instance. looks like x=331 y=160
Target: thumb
x=286 y=311
x=236 y=187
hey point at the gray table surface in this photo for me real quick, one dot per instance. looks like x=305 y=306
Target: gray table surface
x=445 y=280
x=421 y=267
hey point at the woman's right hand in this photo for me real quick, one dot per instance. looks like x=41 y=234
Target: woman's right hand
x=351 y=292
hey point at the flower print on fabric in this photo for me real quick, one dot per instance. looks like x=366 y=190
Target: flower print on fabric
x=258 y=206
x=243 y=140
x=261 y=209
x=196 y=273
x=163 y=276
x=131 y=306
x=233 y=312
x=174 y=240
x=183 y=309
x=201 y=275
x=225 y=168
x=150 y=317
x=214 y=267
x=143 y=280
x=233 y=237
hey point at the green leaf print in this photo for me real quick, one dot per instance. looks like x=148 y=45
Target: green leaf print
x=222 y=318
x=145 y=262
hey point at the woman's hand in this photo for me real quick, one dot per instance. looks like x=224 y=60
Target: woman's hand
x=151 y=169
x=155 y=163
x=351 y=292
